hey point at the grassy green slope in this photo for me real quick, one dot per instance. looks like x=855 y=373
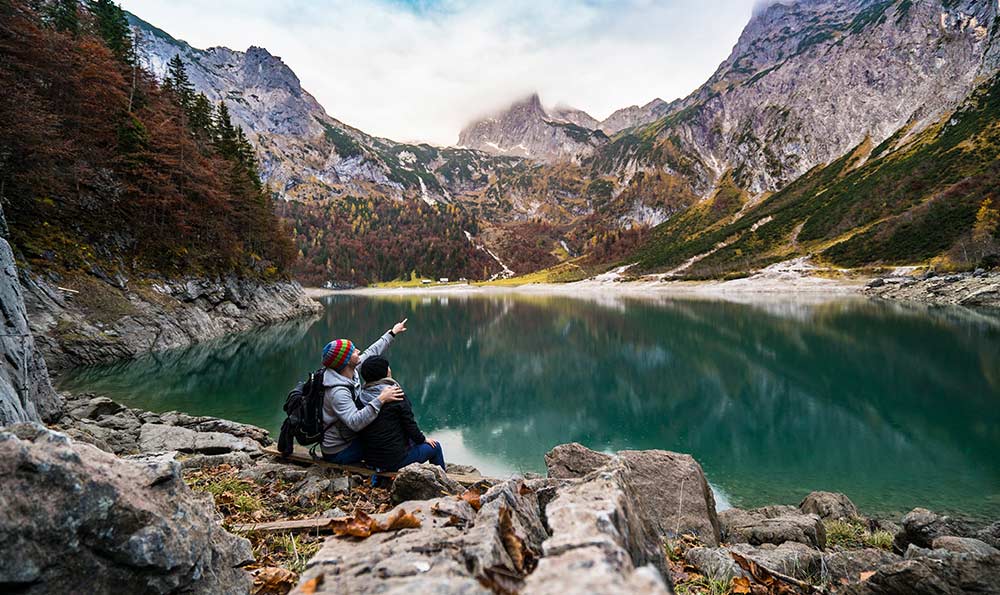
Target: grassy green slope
x=892 y=204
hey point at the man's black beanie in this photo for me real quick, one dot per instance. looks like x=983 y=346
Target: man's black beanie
x=374 y=368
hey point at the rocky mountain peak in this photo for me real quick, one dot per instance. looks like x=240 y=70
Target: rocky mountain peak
x=634 y=115
x=572 y=115
x=526 y=129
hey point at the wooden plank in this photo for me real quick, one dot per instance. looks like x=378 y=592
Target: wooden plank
x=299 y=525
x=301 y=455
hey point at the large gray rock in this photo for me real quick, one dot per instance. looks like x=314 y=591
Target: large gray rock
x=790 y=558
x=932 y=572
x=671 y=493
x=990 y=534
x=829 y=505
x=74 y=519
x=599 y=516
x=455 y=550
x=847 y=565
x=964 y=545
x=25 y=391
x=670 y=489
x=422 y=481
x=714 y=562
x=159 y=437
x=568 y=461
x=772 y=524
x=921 y=527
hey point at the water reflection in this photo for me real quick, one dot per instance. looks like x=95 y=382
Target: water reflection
x=894 y=406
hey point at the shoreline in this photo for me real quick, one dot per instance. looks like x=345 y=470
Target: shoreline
x=811 y=287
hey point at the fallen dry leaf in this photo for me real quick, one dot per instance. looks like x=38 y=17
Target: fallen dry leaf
x=309 y=587
x=401 y=520
x=272 y=580
x=867 y=575
x=360 y=525
x=472 y=497
x=740 y=586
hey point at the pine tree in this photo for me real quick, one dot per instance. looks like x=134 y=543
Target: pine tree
x=113 y=28
x=223 y=132
x=64 y=16
x=177 y=81
x=200 y=115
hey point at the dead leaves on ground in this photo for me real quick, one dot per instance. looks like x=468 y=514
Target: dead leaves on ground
x=272 y=580
x=472 y=496
x=769 y=582
x=361 y=525
x=309 y=587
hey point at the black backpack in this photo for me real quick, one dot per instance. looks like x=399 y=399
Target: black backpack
x=304 y=408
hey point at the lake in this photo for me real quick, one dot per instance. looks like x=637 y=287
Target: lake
x=896 y=406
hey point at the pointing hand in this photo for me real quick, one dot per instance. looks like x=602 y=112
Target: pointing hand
x=399 y=327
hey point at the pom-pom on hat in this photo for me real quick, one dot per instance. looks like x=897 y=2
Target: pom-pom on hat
x=337 y=353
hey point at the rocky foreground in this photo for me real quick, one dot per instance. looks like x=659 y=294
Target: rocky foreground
x=103 y=501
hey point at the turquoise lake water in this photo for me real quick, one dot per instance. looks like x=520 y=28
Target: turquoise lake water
x=895 y=406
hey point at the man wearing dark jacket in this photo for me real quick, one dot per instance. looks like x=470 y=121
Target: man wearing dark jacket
x=393 y=440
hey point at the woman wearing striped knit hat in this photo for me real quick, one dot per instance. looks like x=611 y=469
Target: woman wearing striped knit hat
x=343 y=413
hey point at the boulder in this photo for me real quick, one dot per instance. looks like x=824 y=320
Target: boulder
x=932 y=572
x=319 y=481
x=990 y=534
x=238 y=460
x=790 y=558
x=592 y=570
x=215 y=424
x=772 y=524
x=106 y=436
x=75 y=519
x=921 y=526
x=714 y=562
x=456 y=550
x=462 y=469
x=93 y=408
x=671 y=493
x=266 y=471
x=829 y=506
x=847 y=565
x=572 y=460
x=159 y=437
x=601 y=511
x=422 y=481
x=964 y=545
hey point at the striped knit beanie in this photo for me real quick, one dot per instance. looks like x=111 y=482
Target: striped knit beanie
x=337 y=353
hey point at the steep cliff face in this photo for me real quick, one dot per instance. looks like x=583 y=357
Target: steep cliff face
x=525 y=129
x=808 y=81
x=25 y=392
x=305 y=154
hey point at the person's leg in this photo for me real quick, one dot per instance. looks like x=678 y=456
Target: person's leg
x=349 y=456
x=438 y=457
x=422 y=453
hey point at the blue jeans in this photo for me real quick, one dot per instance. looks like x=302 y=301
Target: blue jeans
x=423 y=453
x=349 y=456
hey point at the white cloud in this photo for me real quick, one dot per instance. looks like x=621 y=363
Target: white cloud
x=421 y=73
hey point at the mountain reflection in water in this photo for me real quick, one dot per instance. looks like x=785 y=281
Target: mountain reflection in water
x=895 y=406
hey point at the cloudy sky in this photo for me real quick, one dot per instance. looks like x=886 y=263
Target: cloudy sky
x=419 y=70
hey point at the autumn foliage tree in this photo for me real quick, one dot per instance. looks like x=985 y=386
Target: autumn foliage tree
x=102 y=166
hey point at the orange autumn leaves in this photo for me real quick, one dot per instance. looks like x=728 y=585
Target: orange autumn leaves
x=362 y=525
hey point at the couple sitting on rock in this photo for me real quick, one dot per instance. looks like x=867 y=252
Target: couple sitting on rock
x=371 y=422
